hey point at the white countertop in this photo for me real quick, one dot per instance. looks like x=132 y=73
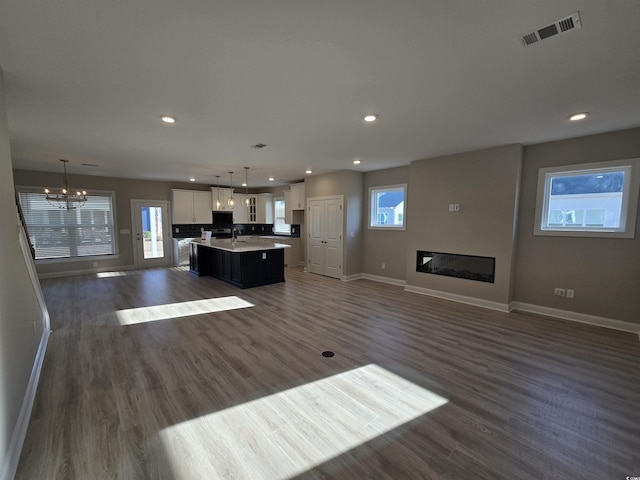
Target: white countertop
x=241 y=245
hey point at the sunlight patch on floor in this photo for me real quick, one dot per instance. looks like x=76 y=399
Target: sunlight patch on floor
x=290 y=432
x=131 y=316
x=113 y=274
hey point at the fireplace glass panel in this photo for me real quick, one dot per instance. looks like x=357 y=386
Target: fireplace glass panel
x=470 y=267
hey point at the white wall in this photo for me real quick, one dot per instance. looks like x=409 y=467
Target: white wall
x=23 y=323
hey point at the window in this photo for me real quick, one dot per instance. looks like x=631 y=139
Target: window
x=59 y=233
x=387 y=207
x=279 y=225
x=590 y=200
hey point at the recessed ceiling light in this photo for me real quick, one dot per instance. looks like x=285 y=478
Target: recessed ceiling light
x=578 y=116
x=356 y=162
x=308 y=172
x=271 y=179
x=192 y=179
x=244 y=184
x=168 y=119
x=372 y=117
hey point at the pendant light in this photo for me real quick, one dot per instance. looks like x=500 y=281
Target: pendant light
x=246 y=184
x=218 y=202
x=65 y=199
x=232 y=201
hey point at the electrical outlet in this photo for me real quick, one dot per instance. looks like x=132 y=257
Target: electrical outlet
x=559 y=292
x=570 y=293
x=383 y=266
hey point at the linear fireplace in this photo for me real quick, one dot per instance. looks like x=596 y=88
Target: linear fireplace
x=470 y=267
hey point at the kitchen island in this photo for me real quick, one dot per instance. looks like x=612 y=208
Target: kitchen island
x=243 y=263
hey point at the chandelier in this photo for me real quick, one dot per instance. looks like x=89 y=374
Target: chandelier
x=64 y=199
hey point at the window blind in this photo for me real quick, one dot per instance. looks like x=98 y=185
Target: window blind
x=61 y=233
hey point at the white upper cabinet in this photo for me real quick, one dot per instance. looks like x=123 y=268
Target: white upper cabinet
x=288 y=210
x=225 y=194
x=297 y=196
x=240 y=212
x=264 y=208
x=190 y=206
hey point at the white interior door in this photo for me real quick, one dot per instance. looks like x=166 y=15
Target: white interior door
x=333 y=238
x=151 y=233
x=316 y=236
x=325 y=236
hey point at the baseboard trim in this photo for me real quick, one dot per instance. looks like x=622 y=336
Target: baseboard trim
x=478 y=302
x=577 y=317
x=351 y=278
x=20 y=431
x=381 y=279
x=71 y=273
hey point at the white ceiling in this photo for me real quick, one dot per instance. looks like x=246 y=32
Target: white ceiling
x=87 y=80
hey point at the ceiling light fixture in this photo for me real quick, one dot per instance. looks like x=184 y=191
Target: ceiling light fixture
x=578 y=116
x=168 y=119
x=247 y=202
x=372 y=117
x=309 y=172
x=232 y=201
x=64 y=199
x=356 y=162
x=271 y=179
x=218 y=202
x=192 y=179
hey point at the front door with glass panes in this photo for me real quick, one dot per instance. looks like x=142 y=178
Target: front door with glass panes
x=151 y=233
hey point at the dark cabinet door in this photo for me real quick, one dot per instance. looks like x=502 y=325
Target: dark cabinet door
x=252 y=267
x=226 y=265
x=236 y=267
x=218 y=264
x=193 y=257
x=274 y=266
x=204 y=254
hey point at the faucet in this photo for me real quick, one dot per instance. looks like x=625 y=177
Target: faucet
x=233 y=233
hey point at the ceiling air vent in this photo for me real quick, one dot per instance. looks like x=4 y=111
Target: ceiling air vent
x=563 y=25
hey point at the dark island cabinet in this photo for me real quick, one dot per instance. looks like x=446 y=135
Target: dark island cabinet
x=199 y=259
x=242 y=269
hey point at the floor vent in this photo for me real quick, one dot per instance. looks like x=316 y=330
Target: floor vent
x=564 y=25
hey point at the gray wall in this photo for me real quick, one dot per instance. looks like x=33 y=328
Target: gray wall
x=19 y=308
x=125 y=190
x=349 y=184
x=485 y=184
x=604 y=272
x=382 y=246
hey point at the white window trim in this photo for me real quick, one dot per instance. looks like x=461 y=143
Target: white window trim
x=629 y=208
x=402 y=227
x=85 y=258
x=280 y=232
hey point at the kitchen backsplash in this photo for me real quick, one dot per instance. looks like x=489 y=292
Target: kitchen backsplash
x=193 y=230
x=189 y=230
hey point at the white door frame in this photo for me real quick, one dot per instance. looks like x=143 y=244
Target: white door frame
x=136 y=236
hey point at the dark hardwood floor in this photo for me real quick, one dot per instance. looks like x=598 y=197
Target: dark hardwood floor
x=418 y=387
